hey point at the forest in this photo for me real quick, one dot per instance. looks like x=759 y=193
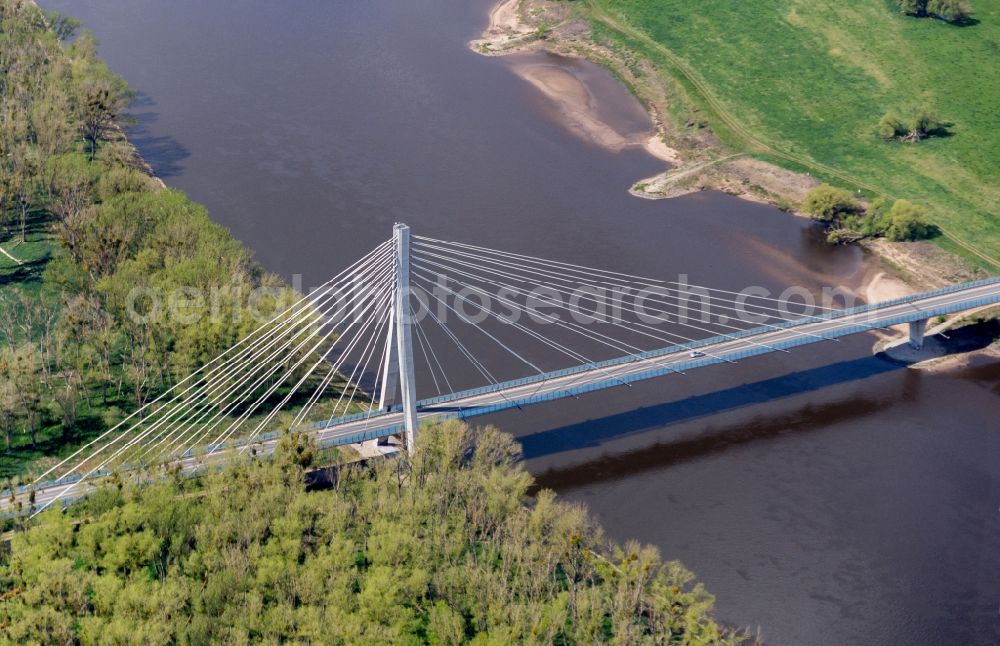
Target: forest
x=440 y=547
x=84 y=228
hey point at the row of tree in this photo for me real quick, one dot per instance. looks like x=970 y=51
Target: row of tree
x=72 y=346
x=847 y=220
x=436 y=548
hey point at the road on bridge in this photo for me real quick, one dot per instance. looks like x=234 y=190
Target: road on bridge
x=610 y=374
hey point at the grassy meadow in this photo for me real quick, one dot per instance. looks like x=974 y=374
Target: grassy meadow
x=804 y=83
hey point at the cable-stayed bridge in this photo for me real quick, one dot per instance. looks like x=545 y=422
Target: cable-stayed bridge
x=343 y=363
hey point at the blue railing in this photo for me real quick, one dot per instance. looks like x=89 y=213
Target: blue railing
x=427 y=404
x=693 y=345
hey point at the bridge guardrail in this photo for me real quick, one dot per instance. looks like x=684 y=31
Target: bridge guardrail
x=382 y=432
x=654 y=372
x=693 y=345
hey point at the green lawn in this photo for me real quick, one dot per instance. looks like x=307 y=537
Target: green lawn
x=804 y=83
x=34 y=253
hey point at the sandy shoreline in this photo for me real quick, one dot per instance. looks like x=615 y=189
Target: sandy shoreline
x=505 y=29
x=575 y=103
x=508 y=33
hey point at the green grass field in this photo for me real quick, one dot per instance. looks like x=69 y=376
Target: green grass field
x=34 y=253
x=804 y=83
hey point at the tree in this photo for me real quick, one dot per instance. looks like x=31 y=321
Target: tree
x=69 y=184
x=102 y=96
x=86 y=342
x=141 y=368
x=913 y=7
x=891 y=126
x=64 y=26
x=9 y=406
x=54 y=124
x=827 y=203
x=21 y=181
x=919 y=125
x=119 y=179
x=23 y=370
x=925 y=124
x=64 y=390
x=442 y=547
x=907 y=221
x=955 y=11
x=295 y=449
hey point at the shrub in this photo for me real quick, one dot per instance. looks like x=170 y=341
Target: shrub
x=903 y=220
x=913 y=7
x=954 y=11
x=907 y=221
x=920 y=125
x=118 y=179
x=828 y=204
x=890 y=126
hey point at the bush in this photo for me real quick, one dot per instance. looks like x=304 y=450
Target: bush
x=920 y=125
x=954 y=11
x=913 y=7
x=907 y=221
x=890 y=126
x=828 y=204
x=119 y=179
x=903 y=220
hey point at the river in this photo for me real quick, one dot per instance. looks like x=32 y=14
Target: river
x=824 y=496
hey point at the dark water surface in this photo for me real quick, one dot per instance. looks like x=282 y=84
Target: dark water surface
x=827 y=496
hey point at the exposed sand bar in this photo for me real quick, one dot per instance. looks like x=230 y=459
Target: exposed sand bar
x=506 y=29
x=504 y=19
x=587 y=107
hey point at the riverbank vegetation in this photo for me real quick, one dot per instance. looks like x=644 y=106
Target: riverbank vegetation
x=847 y=220
x=440 y=548
x=806 y=84
x=84 y=229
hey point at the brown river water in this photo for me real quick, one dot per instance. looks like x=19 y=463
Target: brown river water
x=825 y=496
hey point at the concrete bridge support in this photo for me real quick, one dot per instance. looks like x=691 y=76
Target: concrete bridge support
x=917 y=329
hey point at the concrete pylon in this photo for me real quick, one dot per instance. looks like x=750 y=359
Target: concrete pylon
x=402 y=316
x=917 y=329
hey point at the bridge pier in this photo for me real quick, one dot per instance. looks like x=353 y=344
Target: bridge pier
x=917 y=329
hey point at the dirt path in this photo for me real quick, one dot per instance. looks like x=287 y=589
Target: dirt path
x=6 y=253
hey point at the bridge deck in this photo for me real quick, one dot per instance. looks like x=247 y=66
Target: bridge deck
x=674 y=359
x=628 y=369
